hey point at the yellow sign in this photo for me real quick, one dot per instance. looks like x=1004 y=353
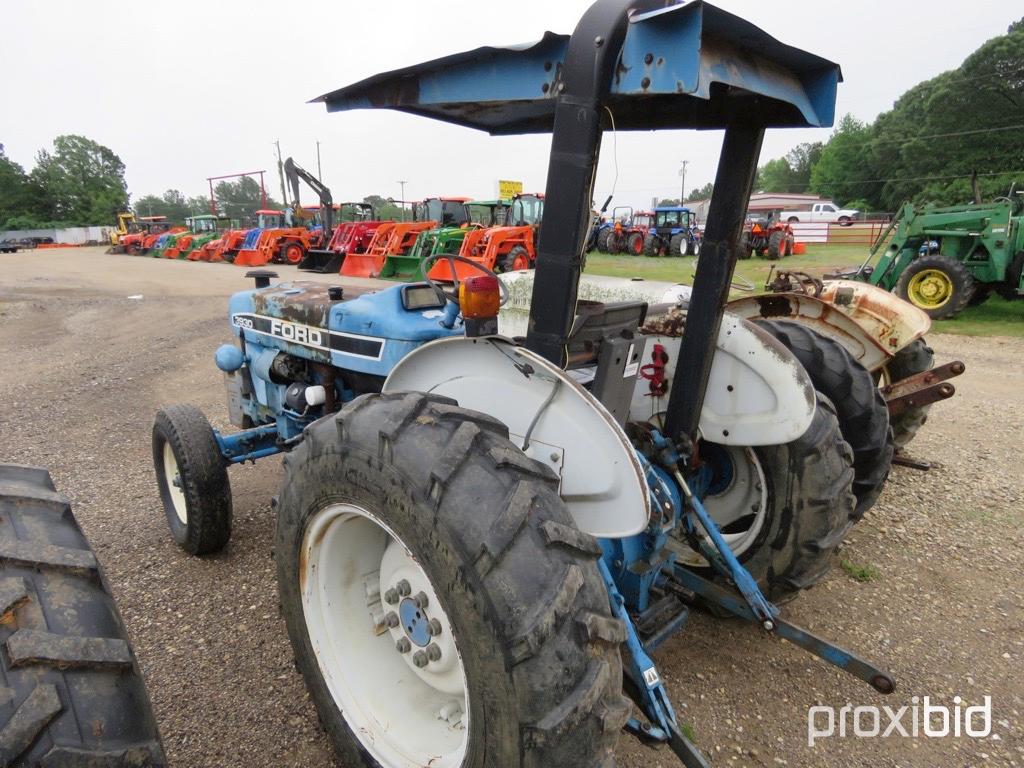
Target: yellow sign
x=509 y=189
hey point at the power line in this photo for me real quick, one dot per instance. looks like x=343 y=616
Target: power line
x=908 y=139
x=926 y=178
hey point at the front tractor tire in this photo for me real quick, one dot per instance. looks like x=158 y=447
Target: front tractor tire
x=442 y=606
x=193 y=480
x=292 y=252
x=941 y=286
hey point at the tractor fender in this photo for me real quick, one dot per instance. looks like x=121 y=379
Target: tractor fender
x=757 y=393
x=871 y=323
x=548 y=414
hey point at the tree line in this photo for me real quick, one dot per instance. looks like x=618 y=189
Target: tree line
x=948 y=140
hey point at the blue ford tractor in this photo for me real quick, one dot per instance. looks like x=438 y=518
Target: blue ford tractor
x=479 y=536
x=674 y=232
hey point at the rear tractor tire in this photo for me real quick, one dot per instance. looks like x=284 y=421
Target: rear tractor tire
x=782 y=508
x=675 y=245
x=635 y=244
x=651 y=246
x=602 y=239
x=442 y=605
x=292 y=252
x=193 y=480
x=914 y=358
x=73 y=692
x=776 y=245
x=860 y=407
x=746 y=251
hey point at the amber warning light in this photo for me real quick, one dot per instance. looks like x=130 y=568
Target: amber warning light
x=479 y=300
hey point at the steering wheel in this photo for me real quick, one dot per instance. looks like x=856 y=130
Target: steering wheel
x=451 y=258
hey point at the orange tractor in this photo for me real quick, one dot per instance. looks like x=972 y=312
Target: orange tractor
x=148 y=230
x=227 y=247
x=505 y=248
x=767 y=237
x=273 y=240
x=394 y=240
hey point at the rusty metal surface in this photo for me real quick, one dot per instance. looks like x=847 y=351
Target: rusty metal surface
x=922 y=388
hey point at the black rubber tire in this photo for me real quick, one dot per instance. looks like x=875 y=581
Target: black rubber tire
x=651 y=245
x=958 y=274
x=635 y=244
x=73 y=692
x=775 y=244
x=980 y=295
x=809 y=505
x=528 y=606
x=860 y=407
x=913 y=358
x=845 y=221
x=602 y=239
x=691 y=249
x=614 y=243
x=203 y=477
x=746 y=251
x=1008 y=288
x=507 y=262
x=675 y=245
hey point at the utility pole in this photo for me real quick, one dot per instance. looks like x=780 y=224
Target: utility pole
x=402 y=185
x=280 y=174
x=682 y=174
x=319 y=172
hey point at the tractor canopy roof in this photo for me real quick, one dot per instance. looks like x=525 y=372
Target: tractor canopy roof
x=673 y=208
x=268 y=212
x=685 y=66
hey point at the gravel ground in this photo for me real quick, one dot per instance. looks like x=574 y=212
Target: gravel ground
x=943 y=608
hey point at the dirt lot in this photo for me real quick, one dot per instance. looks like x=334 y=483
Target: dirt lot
x=95 y=344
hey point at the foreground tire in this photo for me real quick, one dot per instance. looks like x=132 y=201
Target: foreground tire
x=428 y=569
x=940 y=286
x=73 y=692
x=913 y=358
x=602 y=240
x=776 y=245
x=746 y=251
x=193 y=480
x=675 y=245
x=860 y=407
x=784 y=508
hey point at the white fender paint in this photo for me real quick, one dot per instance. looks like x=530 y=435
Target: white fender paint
x=602 y=481
x=771 y=401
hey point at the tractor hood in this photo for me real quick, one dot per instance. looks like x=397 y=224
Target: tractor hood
x=685 y=66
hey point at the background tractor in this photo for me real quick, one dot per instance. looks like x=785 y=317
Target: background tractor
x=945 y=259
x=146 y=232
x=674 y=232
x=767 y=238
x=504 y=248
x=125 y=225
x=628 y=233
x=393 y=240
x=463 y=513
x=357 y=224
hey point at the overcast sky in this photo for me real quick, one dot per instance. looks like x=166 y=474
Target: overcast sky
x=187 y=89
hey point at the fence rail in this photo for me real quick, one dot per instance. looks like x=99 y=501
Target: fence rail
x=857 y=233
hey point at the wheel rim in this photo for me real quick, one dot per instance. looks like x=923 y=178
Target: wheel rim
x=352 y=562
x=293 y=254
x=521 y=262
x=930 y=289
x=736 y=497
x=173 y=475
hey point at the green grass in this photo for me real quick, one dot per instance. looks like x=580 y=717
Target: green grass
x=996 y=317
x=860 y=572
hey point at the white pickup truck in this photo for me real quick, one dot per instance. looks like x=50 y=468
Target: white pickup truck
x=821 y=212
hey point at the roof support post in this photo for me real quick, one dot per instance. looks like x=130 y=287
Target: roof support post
x=582 y=89
x=737 y=167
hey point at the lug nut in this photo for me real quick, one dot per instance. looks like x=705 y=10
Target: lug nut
x=420 y=659
x=434 y=652
x=391 y=619
x=403 y=588
x=421 y=600
x=403 y=645
x=769 y=625
x=435 y=627
x=391 y=596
